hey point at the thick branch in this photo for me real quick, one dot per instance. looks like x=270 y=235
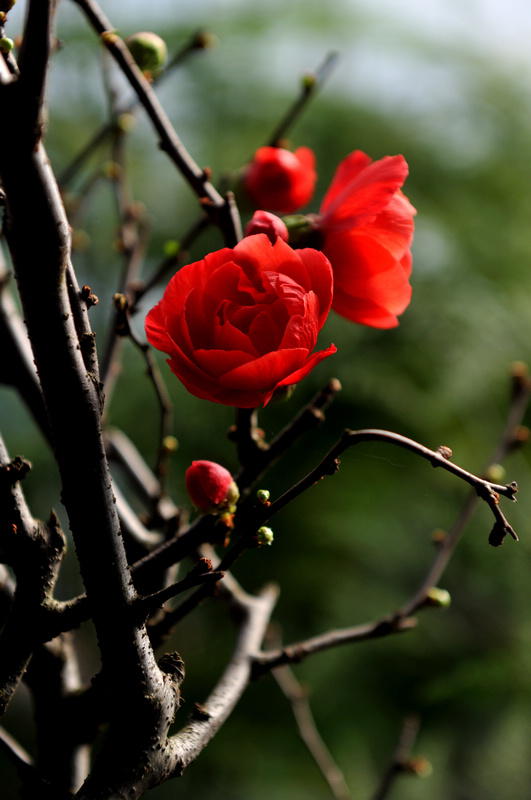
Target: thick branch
x=193 y=738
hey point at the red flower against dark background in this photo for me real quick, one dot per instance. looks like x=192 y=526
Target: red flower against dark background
x=243 y=322
x=279 y=180
x=366 y=229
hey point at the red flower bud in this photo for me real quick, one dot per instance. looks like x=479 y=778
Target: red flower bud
x=279 y=180
x=211 y=487
x=271 y=225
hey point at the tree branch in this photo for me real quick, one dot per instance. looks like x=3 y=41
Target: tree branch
x=224 y=212
x=186 y=745
x=486 y=490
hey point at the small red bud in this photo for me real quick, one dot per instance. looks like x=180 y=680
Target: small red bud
x=211 y=487
x=270 y=224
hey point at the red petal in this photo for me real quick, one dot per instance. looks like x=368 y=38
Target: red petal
x=360 y=190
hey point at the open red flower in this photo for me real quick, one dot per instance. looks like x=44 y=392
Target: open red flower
x=366 y=229
x=243 y=322
x=279 y=180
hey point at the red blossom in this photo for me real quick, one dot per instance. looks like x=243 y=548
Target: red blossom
x=366 y=229
x=279 y=180
x=210 y=486
x=242 y=323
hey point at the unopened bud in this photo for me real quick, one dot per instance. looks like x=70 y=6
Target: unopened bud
x=148 y=50
x=6 y=45
x=495 y=473
x=264 y=536
x=171 y=248
x=170 y=444
x=270 y=224
x=211 y=487
x=438 y=598
x=263 y=496
x=308 y=81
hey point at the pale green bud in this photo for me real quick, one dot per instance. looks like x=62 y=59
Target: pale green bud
x=264 y=535
x=148 y=50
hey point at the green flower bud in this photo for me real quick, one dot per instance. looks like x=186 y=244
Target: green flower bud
x=438 y=598
x=170 y=444
x=264 y=535
x=495 y=473
x=148 y=50
x=263 y=496
x=6 y=45
x=171 y=248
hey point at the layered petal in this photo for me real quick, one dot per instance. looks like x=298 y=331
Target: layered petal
x=244 y=321
x=366 y=230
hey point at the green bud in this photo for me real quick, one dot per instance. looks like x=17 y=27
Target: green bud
x=171 y=248
x=263 y=496
x=264 y=535
x=438 y=598
x=495 y=473
x=148 y=50
x=232 y=496
x=6 y=45
x=125 y=122
x=308 y=81
x=170 y=444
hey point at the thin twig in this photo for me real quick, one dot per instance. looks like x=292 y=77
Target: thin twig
x=487 y=491
x=310 y=417
x=196 y=42
x=402 y=763
x=298 y=697
x=292 y=654
x=309 y=86
x=123 y=328
x=18 y=756
x=224 y=213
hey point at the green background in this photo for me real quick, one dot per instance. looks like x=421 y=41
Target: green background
x=357 y=545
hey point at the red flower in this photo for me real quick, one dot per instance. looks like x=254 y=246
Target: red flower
x=210 y=486
x=279 y=180
x=366 y=225
x=242 y=323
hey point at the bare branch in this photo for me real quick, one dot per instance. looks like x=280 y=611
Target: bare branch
x=186 y=745
x=309 y=85
x=292 y=654
x=309 y=418
x=402 y=762
x=298 y=697
x=486 y=490
x=225 y=213
x=20 y=759
x=198 y=41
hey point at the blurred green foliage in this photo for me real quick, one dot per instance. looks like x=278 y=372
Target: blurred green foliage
x=358 y=544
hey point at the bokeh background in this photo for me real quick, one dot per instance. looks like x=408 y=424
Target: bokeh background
x=448 y=85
